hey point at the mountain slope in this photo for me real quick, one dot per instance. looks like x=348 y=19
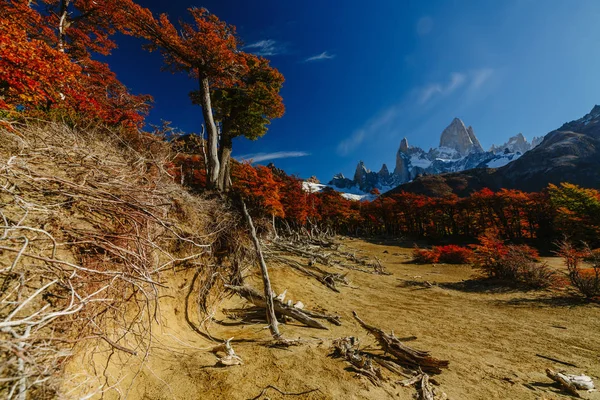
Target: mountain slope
x=568 y=154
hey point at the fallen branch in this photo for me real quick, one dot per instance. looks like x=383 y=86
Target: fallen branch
x=282 y=392
x=230 y=358
x=556 y=360
x=425 y=389
x=323 y=277
x=361 y=363
x=405 y=354
x=564 y=383
x=301 y=252
x=258 y=300
x=268 y=298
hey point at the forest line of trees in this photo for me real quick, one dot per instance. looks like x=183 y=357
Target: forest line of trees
x=558 y=211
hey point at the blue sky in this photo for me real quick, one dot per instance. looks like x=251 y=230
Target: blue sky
x=360 y=76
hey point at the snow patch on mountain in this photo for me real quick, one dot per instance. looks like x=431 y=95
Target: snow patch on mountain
x=459 y=150
x=352 y=193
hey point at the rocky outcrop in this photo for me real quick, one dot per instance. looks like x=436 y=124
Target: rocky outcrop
x=360 y=175
x=384 y=173
x=456 y=136
x=341 y=182
x=517 y=144
x=476 y=145
x=403 y=146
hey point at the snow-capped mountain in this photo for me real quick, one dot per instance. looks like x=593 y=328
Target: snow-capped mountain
x=570 y=153
x=517 y=144
x=459 y=150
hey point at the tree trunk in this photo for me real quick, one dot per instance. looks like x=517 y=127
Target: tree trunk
x=204 y=150
x=225 y=160
x=212 y=134
x=62 y=25
x=271 y=318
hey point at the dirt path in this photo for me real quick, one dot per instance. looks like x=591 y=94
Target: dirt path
x=490 y=335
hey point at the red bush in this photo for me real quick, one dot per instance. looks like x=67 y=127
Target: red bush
x=584 y=269
x=452 y=254
x=424 y=256
x=512 y=263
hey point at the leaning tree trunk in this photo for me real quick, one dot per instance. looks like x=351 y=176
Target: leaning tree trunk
x=225 y=160
x=213 y=166
x=63 y=24
x=270 y=307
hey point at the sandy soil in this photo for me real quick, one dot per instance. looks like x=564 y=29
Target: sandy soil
x=490 y=334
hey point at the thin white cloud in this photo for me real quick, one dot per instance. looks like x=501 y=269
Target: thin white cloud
x=267 y=47
x=351 y=142
x=480 y=77
x=380 y=122
x=319 y=57
x=259 y=157
x=431 y=90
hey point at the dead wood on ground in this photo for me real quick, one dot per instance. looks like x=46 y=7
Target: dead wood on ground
x=304 y=316
x=564 y=383
x=268 y=297
x=404 y=354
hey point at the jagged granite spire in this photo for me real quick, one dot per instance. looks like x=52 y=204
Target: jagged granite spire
x=403 y=145
x=360 y=174
x=384 y=172
x=456 y=136
x=476 y=145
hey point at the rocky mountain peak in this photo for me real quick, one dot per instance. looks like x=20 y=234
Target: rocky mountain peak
x=361 y=172
x=384 y=172
x=403 y=146
x=456 y=136
x=516 y=144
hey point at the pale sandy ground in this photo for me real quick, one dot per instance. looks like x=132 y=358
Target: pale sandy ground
x=490 y=335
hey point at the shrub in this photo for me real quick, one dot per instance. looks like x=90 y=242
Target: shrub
x=424 y=256
x=591 y=256
x=512 y=263
x=452 y=254
x=585 y=280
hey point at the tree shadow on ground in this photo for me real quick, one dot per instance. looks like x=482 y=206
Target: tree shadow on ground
x=562 y=300
x=390 y=241
x=485 y=285
x=415 y=285
x=545 y=387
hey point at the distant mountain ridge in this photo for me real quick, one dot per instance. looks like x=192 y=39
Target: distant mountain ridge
x=569 y=154
x=459 y=150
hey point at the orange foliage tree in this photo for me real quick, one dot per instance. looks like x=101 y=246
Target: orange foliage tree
x=46 y=64
x=258 y=188
x=206 y=49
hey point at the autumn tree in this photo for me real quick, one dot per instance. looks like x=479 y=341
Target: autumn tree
x=206 y=49
x=258 y=188
x=47 y=63
x=577 y=211
x=246 y=107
